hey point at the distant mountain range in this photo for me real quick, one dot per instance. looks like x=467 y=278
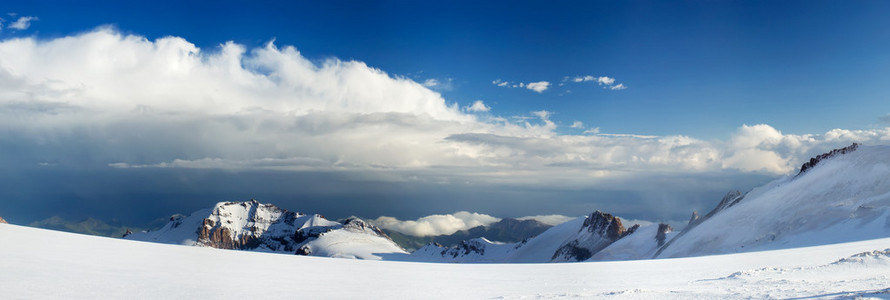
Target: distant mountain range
x=89 y=226
x=839 y=196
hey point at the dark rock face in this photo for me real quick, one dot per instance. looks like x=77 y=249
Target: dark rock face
x=127 y=233
x=598 y=232
x=605 y=225
x=304 y=250
x=574 y=251
x=465 y=248
x=693 y=219
x=815 y=160
x=663 y=230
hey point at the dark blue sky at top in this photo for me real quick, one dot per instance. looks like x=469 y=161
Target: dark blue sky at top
x=698 y=68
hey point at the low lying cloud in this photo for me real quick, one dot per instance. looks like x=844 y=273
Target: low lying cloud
x=436 y=224
x=551 y=220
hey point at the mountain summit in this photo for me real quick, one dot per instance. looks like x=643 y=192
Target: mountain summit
x=255 y=226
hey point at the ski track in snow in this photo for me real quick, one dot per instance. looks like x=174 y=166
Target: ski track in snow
x=43 y=264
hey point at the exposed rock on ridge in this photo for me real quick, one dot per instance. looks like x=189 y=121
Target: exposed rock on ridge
x=815 y=160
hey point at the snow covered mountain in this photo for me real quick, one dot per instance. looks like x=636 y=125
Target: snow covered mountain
x=265 y=227
x=839 y=196
x=597 y=235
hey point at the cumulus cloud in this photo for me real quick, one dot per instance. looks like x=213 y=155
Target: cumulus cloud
x=551 y=220
x=22 y=23
x=577 y=125
x=539 y=86
x=106 y=99
x=619 y=86
x=478 y=106
x=436 y=224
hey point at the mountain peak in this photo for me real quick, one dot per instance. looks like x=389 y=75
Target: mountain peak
x=604 y=224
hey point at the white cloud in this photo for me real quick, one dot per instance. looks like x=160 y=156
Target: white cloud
x=102 y=98
x=22 y=23
x=609 y=82
x=605 y=80
x=477 y=106
x=436 y=224
x=594 y=130
x=577 y=125
x=551 y=220
x=539 y=86
x=543 y=114
x=445 y=84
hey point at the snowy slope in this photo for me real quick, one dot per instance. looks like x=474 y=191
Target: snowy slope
x=642 y=244
x=261 y=227
x=845 y=197
x=43 y=264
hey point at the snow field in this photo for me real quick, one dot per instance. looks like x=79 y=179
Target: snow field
x=43 y=264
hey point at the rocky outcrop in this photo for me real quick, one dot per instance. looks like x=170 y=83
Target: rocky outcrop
x=661 y=235
x=730 y=199
x=598 y=232
x=2 y=221
x=815 y=160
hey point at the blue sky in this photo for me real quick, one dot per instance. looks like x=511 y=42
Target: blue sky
x=694 y=98
x=699 y=68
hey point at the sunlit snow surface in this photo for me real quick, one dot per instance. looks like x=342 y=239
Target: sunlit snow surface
x=36 y=263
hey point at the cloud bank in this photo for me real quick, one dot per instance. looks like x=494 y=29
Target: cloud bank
x=104 y=99
x=436 y=224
